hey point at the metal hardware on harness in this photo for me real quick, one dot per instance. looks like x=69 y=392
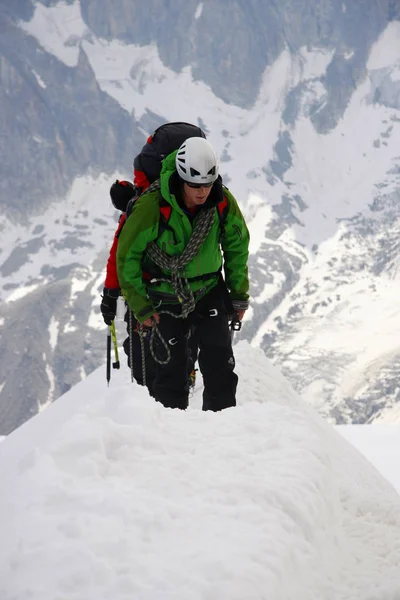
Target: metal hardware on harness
x=236 y=325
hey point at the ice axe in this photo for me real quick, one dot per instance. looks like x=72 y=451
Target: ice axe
x=108 y=363
x=111 y=336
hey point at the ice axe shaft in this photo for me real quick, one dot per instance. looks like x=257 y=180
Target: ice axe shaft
x=115 y=364
x=108 y=362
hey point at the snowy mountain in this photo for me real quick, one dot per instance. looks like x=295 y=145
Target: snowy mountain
x=304 y=110
x=107 y=494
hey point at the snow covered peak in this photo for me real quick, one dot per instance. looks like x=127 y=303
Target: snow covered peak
x=107 y=494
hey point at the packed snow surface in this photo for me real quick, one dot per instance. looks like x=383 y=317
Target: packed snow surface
x=106 y=494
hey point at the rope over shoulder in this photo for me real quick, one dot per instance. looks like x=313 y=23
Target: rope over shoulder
x=176 y=264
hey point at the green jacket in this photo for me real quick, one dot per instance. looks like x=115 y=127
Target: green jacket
x=229 y=250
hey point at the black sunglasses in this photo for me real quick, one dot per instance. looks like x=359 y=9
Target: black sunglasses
x=199 y=185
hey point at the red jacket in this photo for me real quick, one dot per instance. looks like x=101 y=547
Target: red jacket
x=111 y=281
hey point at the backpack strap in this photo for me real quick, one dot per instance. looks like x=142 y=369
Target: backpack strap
x=165 y=214
x=165 y=211
x=223 y=209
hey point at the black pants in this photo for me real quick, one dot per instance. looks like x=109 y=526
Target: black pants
x=208 y=327
x=150 y=363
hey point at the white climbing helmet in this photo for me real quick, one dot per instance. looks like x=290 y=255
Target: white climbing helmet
x=197 y=162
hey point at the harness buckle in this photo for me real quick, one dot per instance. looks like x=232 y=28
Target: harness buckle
x=236 y=325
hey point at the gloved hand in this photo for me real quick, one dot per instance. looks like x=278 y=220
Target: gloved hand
x=121 y=192
x=149 y=322
x=240 y=307
x=108 y=305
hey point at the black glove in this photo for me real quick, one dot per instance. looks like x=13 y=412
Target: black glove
x=121 y=192
x=108 y=305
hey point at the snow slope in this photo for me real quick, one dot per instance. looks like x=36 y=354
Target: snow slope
x=108 y=495
x=380 y=443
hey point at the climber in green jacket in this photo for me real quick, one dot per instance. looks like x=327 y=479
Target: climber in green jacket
x=182 y=233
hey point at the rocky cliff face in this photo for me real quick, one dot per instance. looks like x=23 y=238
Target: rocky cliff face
x=230 y=44
x=57 y=123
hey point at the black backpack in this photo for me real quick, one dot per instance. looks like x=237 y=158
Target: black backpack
x=164 y=140
x=147 y=165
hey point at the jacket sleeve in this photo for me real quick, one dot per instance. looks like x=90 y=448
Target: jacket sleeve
x=111 y=281
x=235 y=246
x=140 y=229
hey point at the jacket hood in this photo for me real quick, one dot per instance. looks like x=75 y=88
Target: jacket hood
x=168 y=164
x=167 y=170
